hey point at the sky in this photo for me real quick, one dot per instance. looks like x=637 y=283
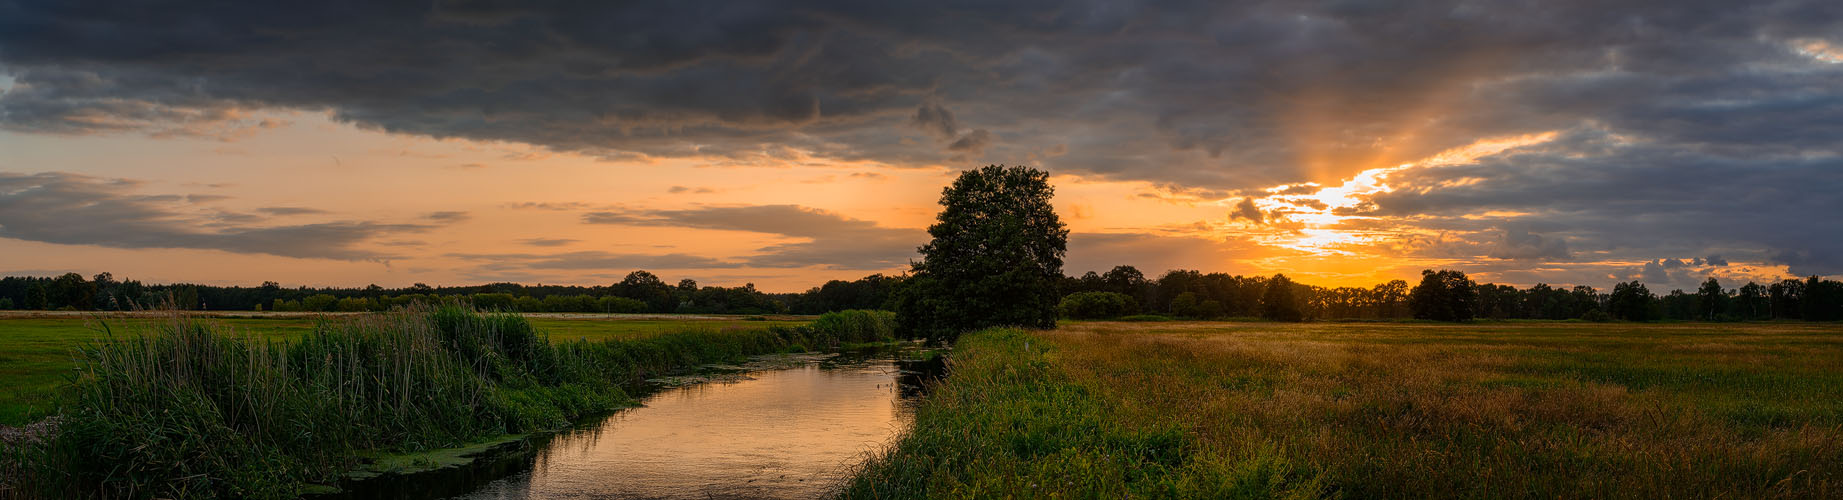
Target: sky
x=1344 y=143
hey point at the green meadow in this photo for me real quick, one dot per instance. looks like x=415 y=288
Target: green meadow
x=1379 y=410
x=39 y=354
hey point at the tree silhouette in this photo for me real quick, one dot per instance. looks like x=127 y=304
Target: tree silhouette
x=1631 y=301
x=995 y=259
x=1710 y=299
x=1443 y=296
x=1278 y=302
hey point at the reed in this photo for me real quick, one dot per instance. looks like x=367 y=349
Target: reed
x=189 y=409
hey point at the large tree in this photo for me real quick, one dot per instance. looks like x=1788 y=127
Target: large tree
x=1710 y=300
x=1278 y=302
x=1631 y=301
x=995 y=258
x=1445 y=295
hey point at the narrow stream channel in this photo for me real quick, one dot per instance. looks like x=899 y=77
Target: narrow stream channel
x=785 y=433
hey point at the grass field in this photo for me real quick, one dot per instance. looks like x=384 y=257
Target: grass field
x=37 y=354
x=1488 y=410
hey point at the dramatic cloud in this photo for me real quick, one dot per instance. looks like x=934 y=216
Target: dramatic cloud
x=1681 y=127
x=832 y=241
x=1524 y=245
x=1245 y=210
x=1151 y=254
x=80 y=210
x=936 y=120
x=1639 y=199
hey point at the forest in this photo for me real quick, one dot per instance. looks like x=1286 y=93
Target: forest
x=1120 y=292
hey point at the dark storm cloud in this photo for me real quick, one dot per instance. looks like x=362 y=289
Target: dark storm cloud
x=973 y=142
x=1643 y=199
x=833 y=241
x=936 y=120
x=80 y=210
x=1518 y=244
x=1238 y=88
x=1719 y=123
x=1245 y=210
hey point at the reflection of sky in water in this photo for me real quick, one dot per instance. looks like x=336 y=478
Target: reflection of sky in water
x=787 y=434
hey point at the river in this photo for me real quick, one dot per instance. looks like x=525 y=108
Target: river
x=784 y=433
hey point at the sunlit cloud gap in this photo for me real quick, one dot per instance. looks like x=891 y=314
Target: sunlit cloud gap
x=1316 y=221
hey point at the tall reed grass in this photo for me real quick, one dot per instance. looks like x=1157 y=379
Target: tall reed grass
x=191 y=410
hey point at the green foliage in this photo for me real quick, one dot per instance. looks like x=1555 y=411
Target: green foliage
x=1097 y=305
x=995 y=257
x=1631 y=301
x=1444 y=295
x=870 y=292
x=1010 y=424
x=188 y=410
x=645 y=287
x=1278 y=301
x=1711 y=300
x=619 y=305
x=1597 y=316
x=856 y=326
x=1188 y=305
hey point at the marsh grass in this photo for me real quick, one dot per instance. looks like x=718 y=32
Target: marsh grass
x=1536 y=410
x=189 y=409
x=1011 y=422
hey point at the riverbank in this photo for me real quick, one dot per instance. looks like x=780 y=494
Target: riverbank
x=38 y=349
x=187 y=410
x=1527 y=410
x=778 y=426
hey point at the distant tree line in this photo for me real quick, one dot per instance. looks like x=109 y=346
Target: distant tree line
x=1440 y=295
x=638 y=292
x=1122 y=291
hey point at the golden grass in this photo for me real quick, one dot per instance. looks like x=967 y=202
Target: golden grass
x=1490 y=410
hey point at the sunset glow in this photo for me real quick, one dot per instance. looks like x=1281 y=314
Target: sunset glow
x=806 y=158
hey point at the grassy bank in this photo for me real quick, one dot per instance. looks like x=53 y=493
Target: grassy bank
x=187 y=409
x=38 y=354
x=1538 y=410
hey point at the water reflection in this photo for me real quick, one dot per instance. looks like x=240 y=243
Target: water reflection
x=790 y=433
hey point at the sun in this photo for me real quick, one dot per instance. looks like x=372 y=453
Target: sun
x=1322 y=220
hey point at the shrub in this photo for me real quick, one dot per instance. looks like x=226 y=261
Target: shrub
x=854 y=326
x=1187 y=305
x=1097 y=305
x=622 y=305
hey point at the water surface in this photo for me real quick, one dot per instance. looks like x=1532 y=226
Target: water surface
x=792 y=433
